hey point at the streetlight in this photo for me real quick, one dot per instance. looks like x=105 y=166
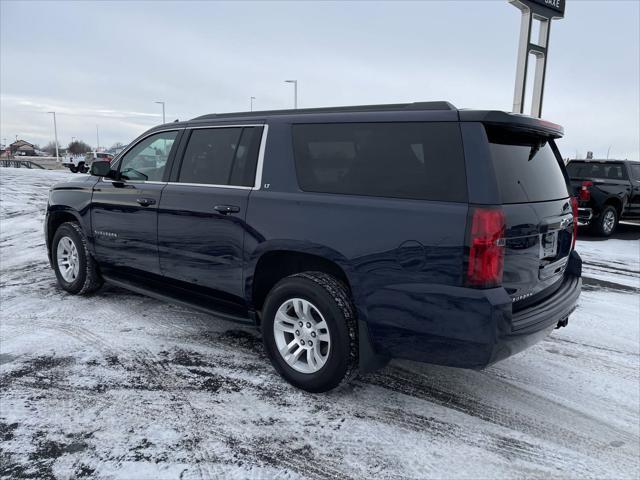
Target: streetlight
x=55 y=132
x=295 y=92
x=162 y=103
x=251 y=100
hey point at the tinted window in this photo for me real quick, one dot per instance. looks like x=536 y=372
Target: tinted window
x=221 y=156
x=405 y=160
x=147 y=160
x=613 y=171
x=635 y=171
x=526 y=167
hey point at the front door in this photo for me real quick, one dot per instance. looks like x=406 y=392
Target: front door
x=124 y=211
x=201 y=221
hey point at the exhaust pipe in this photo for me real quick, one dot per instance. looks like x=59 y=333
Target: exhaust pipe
x=562 y=323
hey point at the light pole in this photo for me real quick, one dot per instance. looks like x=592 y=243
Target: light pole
x=162 y=103
x=97 y=139
x=295 y=92
x=55 y=132
x=251 y=100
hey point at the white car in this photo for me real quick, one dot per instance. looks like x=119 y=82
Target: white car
x=82 y=163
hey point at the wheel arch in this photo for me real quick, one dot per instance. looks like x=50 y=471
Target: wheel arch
x=270 y=265
x=55 y=218
x=615 y=202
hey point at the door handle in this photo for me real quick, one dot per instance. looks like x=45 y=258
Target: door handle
x=226 y=209
x=145 y=202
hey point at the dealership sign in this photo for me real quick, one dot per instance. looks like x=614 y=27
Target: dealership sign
x=542 y=11
x=548 y=8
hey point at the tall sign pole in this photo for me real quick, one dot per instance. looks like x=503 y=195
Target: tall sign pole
x=543 y=11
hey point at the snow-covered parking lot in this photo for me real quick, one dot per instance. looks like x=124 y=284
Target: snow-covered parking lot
x=118 y=385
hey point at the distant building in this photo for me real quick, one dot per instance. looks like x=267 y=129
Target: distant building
x=22 y=148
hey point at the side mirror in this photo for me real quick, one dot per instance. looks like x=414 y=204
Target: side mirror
x=101 y=168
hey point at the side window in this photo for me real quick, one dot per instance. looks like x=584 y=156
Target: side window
x=147 y=160
x=221 y=156
x=635 y=171
x=416 y=160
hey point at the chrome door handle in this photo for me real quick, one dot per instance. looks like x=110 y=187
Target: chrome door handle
x=145 y=202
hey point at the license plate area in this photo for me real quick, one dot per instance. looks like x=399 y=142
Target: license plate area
x=548 y=245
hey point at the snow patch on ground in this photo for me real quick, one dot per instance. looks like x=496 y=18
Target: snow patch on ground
x=118 y=385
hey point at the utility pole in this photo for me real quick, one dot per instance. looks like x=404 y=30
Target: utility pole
x=295 y=92
x=162 y=103
x=251 y=101
x=97 y=139
x=55 y=132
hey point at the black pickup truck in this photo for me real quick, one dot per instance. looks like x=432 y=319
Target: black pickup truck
x=607 y=190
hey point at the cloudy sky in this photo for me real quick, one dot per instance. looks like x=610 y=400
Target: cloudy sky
x=105 y=63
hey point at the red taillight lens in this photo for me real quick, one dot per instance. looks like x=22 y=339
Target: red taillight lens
x=585 y=193
x=486 y=247
x=574 y=209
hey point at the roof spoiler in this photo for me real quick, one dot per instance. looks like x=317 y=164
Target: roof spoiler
x=515 y=120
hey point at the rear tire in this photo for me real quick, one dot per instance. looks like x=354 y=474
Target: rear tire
x=76 y=270
x=607 y=222
x=315 y=329
x=73 y=169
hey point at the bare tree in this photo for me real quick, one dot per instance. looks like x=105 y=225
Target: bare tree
x=78 y=147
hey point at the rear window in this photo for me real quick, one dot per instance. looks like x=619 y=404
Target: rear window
x=526 y=167
x=612 y=171
x=422 y=161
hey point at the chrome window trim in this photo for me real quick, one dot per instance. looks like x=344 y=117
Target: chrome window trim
x=259 y=164
x=239 y=187
x=263 y=146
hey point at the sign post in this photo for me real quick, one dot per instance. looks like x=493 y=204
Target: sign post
x=544 y=11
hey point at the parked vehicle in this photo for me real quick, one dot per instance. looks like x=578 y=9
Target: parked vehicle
x=82 y=163
x=348 y=235
x=608 y=191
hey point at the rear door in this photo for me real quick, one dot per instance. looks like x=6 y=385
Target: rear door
x=634 y=202
x=124 y=211
x=538 y=214
x=203 y=209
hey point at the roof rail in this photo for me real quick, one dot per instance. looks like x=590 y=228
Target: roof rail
x=440 y=105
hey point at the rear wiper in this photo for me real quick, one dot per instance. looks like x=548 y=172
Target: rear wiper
x=534 y=150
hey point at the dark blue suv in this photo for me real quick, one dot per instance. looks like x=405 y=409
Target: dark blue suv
x=348 y=235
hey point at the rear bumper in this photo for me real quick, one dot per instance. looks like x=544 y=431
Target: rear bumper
x=472 y=328
x=585 y=215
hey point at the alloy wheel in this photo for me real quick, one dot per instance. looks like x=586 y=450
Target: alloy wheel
x=68 y=260
x=302 y=335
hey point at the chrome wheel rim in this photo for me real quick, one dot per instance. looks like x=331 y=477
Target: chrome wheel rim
x=67 y=258
x=609 y=221
x=302 y=335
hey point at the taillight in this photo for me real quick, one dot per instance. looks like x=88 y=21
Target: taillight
x=574 y=209
x=585 y=193
x=486 y=247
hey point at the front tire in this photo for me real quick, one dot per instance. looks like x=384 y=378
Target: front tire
x=607 y=221
x=73 y=169
x=76 y=270
x=309 y=331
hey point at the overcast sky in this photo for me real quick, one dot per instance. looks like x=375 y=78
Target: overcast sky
x=106 y=63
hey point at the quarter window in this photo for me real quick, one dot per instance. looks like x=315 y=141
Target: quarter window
x=148 y=159
x=416 y=160
x=221 y=156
